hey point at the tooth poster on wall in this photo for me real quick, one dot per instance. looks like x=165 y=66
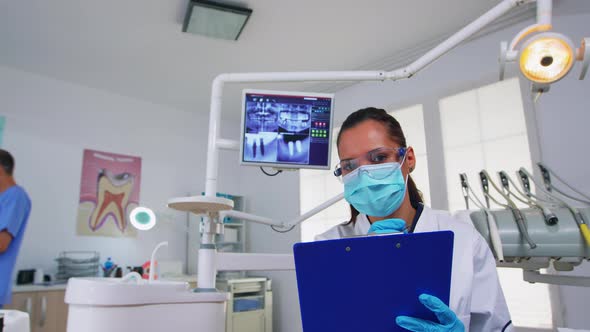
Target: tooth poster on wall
x=109 y=190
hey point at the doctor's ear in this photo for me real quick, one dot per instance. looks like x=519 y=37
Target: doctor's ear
x=410 y=159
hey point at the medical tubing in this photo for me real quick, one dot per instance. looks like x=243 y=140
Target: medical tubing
x=153 y=260
x=520 y=222
x=507 y=198
x=492 y=225
x=578 y=217
x=551 y=200
x=550 y=217
x=280 y=231
x=527 y=195
x=490 y=197
x=494 y=233
x=474 y=196
x=519 y=218
x=526 y=202
x=585 y=233
x=547 y=173
x=583 y=227
x=569 y=196
x=573 y=210
x=269 y=174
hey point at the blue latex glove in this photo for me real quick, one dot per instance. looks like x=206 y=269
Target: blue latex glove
x=388 y=226
x=448 y=321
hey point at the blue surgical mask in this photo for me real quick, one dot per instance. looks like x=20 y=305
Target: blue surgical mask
x=375 y=190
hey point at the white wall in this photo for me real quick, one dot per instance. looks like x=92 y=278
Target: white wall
x=277 y=198
x=50 y=122
x=562 y=117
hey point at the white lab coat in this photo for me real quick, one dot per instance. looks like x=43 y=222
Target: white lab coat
x=476 y=295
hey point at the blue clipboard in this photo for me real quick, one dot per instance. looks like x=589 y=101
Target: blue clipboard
x=362 y=284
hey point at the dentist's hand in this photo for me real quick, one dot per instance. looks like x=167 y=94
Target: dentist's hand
x=448 y=321
x=388 y=226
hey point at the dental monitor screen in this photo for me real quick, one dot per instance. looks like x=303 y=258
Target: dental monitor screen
x=286 y=129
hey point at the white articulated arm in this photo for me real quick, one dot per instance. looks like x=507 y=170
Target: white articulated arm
x=207 y=253
x=334 y=76
x=271 y=222
x=454 y=40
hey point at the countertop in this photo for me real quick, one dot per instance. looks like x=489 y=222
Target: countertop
x=38 y=288
x=63 y=286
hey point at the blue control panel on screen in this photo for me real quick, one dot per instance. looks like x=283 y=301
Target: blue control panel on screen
x=287 y=129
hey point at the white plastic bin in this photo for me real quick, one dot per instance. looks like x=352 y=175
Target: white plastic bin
x=107 y=304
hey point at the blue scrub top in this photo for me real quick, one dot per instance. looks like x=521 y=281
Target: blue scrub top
x=15 y=206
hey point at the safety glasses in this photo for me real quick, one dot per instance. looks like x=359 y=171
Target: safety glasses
x=384 y=160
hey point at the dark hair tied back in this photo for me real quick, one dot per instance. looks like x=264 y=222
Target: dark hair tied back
x=6 y=161
x=395 y=132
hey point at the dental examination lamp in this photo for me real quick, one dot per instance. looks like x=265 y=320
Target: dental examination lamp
x=214 y=208
x=545 y=57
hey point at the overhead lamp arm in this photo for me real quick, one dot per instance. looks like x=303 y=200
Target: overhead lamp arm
x=207 y=253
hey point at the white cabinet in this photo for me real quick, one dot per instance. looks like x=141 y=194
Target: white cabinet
x=249 y=308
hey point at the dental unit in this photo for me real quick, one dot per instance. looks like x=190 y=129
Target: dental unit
x=507 y=228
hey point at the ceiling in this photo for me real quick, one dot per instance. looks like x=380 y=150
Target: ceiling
x=136 y=48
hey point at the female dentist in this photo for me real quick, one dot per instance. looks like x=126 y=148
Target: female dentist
x=375 y=164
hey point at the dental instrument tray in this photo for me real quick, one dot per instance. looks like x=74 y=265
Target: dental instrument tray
x=363 y=283
x=77 y=264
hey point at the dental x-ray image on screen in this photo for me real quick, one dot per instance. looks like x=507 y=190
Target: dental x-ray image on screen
x=286 y=129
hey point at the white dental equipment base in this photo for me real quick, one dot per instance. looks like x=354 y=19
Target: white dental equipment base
x=124 y=304
x=560 y=245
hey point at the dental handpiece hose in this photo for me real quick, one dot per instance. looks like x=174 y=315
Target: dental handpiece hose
x=520 y=222
x=518 y=217
x=583 y=227
x=492 y=226
x=578 y=217
x=550 y=217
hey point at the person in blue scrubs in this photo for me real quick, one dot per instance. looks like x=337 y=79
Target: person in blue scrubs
x=15 y=206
